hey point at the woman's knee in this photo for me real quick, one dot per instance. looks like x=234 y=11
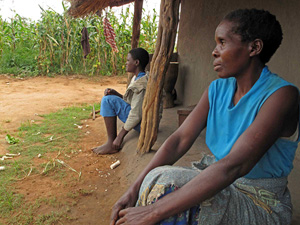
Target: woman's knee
x=171 y=174
x=105 y=100
x=107 y=108
x=158 y=171
x=108 y=101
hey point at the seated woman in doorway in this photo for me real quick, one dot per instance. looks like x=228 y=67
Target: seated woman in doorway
x=251 y=116
x=128 y=107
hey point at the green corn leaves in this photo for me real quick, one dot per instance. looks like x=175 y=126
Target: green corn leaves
x=52 y=45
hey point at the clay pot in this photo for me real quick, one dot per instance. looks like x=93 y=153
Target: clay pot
x=169 y=84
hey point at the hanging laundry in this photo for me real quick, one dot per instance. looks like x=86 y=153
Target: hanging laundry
x=110 y=35
x=85 y=42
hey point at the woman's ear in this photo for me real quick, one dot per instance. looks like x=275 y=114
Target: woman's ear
x=256 y=47
x=137 y=62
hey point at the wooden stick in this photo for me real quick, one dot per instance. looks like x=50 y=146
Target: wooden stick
x=94 y=114
x=25 y=176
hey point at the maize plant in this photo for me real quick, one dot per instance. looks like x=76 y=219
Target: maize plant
x=52 y=45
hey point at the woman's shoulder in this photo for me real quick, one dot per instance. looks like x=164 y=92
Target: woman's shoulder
x=273 y=79
x=222 y=84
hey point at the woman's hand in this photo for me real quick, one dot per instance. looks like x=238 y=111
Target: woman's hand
x=119 y=139
x=117 y=143
x=136 y=216
x=127 y=200
x=108 y=91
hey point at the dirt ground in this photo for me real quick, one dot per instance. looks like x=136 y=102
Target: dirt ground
x=88 y=200
x=99 y=187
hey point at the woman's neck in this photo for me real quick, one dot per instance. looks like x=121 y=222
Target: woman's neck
x=137 y=71
x=246 y=81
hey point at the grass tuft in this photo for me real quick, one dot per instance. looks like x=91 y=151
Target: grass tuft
x=54 y=134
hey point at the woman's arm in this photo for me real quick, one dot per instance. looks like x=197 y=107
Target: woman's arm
x=268 y=126
x=172 y=150
x=135 y=114
x=133 y=119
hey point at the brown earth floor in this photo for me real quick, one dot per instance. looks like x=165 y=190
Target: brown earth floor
x=100 y=187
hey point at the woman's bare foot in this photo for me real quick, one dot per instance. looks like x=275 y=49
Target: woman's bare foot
x=105 y=149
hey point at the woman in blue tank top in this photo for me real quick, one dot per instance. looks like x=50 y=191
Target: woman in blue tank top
x=252 y=121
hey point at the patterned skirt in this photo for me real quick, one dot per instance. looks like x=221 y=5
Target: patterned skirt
x=246 y=201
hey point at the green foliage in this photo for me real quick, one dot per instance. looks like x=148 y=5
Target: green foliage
x=11 y=140
x=52 y=45
x=18 y=46
x=8 y=200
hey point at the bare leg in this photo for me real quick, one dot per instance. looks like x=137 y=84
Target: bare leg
x=111 y=129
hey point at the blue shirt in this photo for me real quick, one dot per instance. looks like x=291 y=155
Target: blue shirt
x=226 y=122
x=141 y=74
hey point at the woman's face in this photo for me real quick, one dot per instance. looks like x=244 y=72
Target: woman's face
x=131 y=64
x=231 y=54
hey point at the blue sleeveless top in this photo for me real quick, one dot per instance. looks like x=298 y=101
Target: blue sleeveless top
x=226 y=122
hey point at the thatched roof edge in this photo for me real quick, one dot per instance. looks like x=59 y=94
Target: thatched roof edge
x=81 y=8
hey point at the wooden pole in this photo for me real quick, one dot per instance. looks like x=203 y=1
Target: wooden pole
x=168 y=22
x=136 y=29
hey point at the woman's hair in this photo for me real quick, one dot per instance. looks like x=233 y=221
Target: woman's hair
x=140 y=54
x=254 y=24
